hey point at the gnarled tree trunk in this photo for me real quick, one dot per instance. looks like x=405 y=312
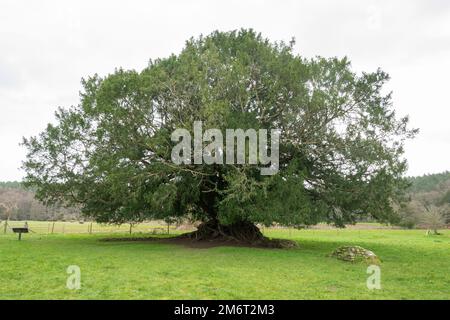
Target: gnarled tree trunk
x=242 y=232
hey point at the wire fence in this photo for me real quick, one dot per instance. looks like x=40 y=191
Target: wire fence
x=149 y=227
x=76 y=227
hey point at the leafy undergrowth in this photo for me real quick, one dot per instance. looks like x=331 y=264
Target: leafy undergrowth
x=414 y=266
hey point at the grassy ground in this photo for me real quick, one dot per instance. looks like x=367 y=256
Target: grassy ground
x=414 y=266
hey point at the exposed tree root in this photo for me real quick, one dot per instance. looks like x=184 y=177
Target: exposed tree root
x=240 y=233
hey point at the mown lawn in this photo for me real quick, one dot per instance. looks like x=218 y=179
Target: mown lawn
x=415 y=266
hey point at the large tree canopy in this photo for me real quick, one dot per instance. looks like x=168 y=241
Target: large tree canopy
x=341 y=143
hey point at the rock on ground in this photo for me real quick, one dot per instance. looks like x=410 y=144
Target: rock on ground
x=355 y=254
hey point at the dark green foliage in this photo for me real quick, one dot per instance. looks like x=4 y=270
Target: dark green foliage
x=340 y=152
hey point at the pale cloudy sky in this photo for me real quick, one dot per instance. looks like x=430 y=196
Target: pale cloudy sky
x=46 y=47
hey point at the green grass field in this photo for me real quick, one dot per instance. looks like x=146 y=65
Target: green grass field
x=414 y=266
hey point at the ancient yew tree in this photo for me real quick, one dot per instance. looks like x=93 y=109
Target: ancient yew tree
x=340 y=153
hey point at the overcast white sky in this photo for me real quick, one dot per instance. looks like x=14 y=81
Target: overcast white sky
x=46 y=47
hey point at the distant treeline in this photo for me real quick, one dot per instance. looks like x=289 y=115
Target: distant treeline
x=432 y=189
x=18 y=203
x=11 y=184
x=429 y=202
x=430 y=182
